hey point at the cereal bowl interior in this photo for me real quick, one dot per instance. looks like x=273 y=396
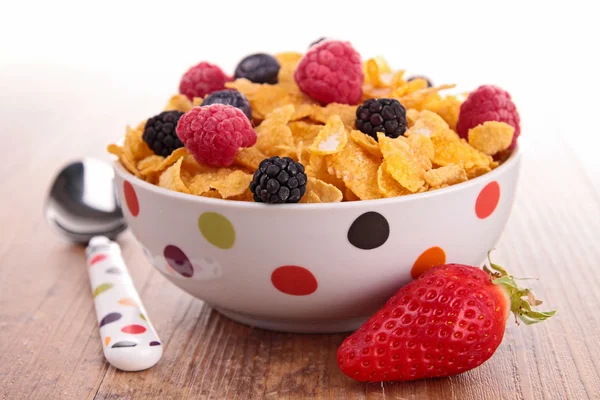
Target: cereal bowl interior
x=312 y=267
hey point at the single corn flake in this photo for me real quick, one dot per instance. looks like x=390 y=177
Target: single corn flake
x=358 y=169
x=350 y=196
x=154 y=164
x=477 y=171
x=273 y=131
x=366 y=142
x=426 y=123
x=388 y=185
x=171 y=178
x=423 y=150
x=377 y=72
x=327 y=193
x=304 y=132
x=310 y=197
x=452 y=150
x=249 y=158
x=318 y=167
x=213 y=194
x=401 y=162
x=331 y=138
x=233 y=184
x=179 y=102
x=416 y=98
x=288 y=62
x=135 y=145
x=346 y=112
x=125 y=158
x=491 y=137
x=450 y=174
x=197 y=101
x=447 y=107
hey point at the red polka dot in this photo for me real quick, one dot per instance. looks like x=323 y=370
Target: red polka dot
x=293 y=280
x=488 y=199
x=133 y=329
x=97 y=258
x=131 y=199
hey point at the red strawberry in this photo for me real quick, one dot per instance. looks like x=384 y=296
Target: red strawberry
x=448 y=321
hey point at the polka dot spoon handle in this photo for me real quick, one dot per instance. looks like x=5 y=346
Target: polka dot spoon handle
x=129 y=340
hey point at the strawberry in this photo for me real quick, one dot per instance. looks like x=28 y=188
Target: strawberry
x=448 y=321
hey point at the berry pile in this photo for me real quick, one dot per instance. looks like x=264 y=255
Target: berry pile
x=334 y=126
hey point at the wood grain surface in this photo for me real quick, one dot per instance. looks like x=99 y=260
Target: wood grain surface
x=50 y=346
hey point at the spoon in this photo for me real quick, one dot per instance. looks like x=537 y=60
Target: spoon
x=82 y=205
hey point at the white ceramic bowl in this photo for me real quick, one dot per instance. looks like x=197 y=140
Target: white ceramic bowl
x=312 y=267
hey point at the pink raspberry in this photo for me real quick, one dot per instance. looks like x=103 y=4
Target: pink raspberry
x=202 y=79
x=331 y=72
x=215 y=133
x=488 y=103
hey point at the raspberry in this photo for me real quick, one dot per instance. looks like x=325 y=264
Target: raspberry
x=215 y=133
x=278 y=180
x=229 y=97
x=258 y=68
x=331 y=72
x=160 y=135
x=202 y=79
x=488 y=103
x=412 y=78
x=381 y=115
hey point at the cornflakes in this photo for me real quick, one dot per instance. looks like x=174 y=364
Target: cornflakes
x=179 y=102
x=358 y=169
x=366 y=142
x=450 y=174
x=401 y=162
x=171 y=178
x=453 y=150
x=273 y=131
x=388 y=185
x=327 y=193
x=491 y=137
x=331 y=138
x=346 y=112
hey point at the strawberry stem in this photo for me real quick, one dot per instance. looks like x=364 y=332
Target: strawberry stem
x=521 y=300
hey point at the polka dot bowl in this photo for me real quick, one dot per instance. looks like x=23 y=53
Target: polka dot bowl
x=313 y=267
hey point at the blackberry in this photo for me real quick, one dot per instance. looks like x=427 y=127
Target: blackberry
x=159 y=133
x=258 y=68
x=278 y=180
x=412 y=78
x=381 y=115
x=229 y=97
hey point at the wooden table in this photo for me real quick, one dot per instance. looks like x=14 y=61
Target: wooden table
x=49 y=342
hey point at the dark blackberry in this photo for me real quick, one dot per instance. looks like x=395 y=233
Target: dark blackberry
x=412 y=78
x=159 y=133
x=229 y=97
x=258 y=68
x=278 y=180
x=381 y=115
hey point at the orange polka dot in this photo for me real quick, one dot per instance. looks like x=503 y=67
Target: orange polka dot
x=488 y=199
x=131 y=199
x=428 y=259
x=294 y=280
x=106 y=340
x=127 y=301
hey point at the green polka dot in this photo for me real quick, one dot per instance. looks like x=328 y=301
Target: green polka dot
x=217 y=230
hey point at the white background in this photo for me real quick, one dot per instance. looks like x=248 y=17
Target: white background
x=112 y=63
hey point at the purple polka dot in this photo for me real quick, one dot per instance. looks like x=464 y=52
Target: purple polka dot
x=112 y=317
x=154 y=343
x=177 y=260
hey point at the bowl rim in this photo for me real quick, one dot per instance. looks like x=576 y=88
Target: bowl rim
x=511 y=162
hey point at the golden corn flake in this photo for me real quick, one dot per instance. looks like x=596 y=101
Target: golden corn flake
x=450 y=150
x=388 y=185
x=318 y=167
x=417 y=98
x=366 y=142
x=447 y=108
x=273 y=131
x=179 y=102
x=233 y=184
x=350 y=196
x=327 y=193
x=197 y=101
x=288 y=62
x=135 y=145
x=422 y=149
x=171 y=178
x=426 y=123
x=450 y=174
x=346 y=112
x=310 y=197
x=377 y=72
x=401 y=162
x=213 y=194
x=283 y=150
x=304 y=132
x=125 y=158
x=491 y=137
x=248 y=157
x=331 y=138
x=477 y=171
x=358 y=169
x=303 y=110
x=154 y=164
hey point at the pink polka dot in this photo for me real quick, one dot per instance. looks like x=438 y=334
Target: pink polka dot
x=488 y=199
x=97 y=258
x=131 y=199
x=133 y=329
x=294 y=280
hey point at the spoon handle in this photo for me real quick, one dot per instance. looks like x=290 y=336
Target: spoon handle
x=129 y=340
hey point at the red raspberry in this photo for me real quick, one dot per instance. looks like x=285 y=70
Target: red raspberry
x=202 y=79
x=331 y=72
x=215 y=133
x=488 y=103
